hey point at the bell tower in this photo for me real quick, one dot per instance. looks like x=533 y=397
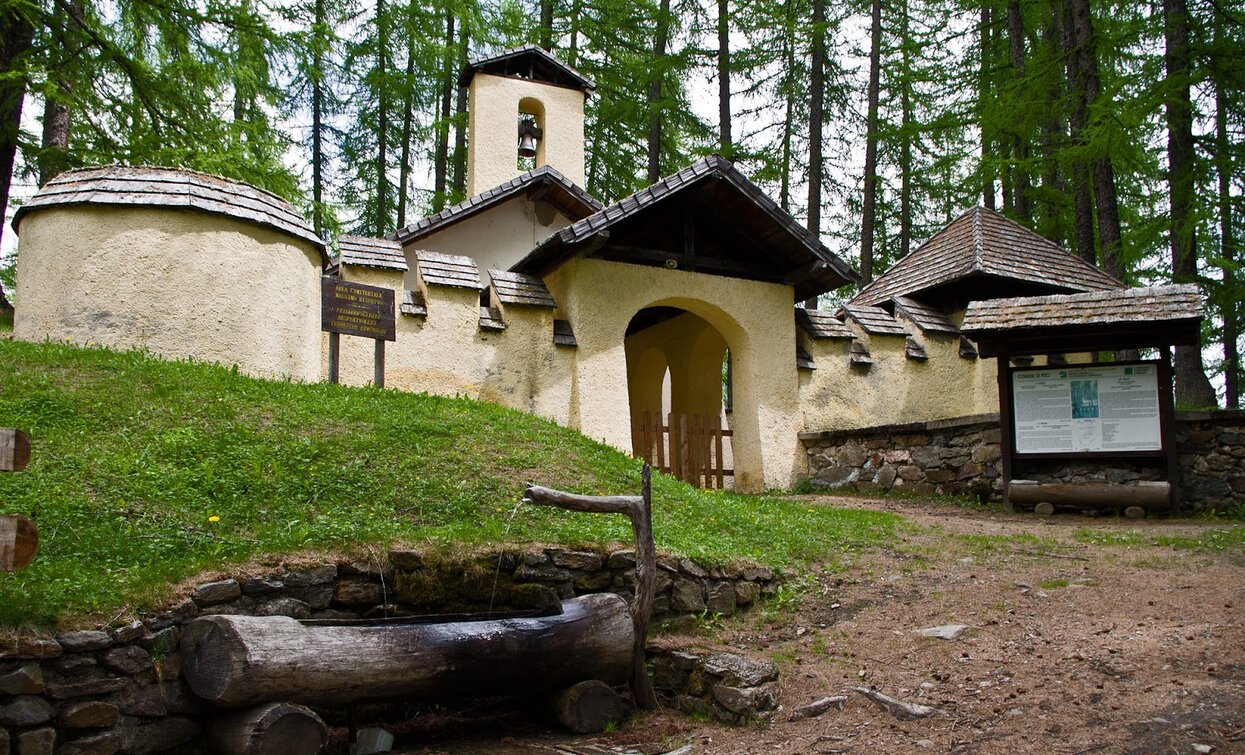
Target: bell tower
x=523 y=104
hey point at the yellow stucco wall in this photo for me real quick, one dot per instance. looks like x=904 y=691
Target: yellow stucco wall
x=600 y=298
x=497 y=238
x=493 y=135
x=894 y=389
x=446 y=353
x=178 y=282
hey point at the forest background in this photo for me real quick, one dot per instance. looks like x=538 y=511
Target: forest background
x=1113 y=127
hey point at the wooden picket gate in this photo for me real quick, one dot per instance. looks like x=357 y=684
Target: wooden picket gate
x=688 y=447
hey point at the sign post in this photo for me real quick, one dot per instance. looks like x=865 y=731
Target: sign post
x=357 y=310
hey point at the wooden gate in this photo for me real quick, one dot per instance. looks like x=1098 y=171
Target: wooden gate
x=688 y=447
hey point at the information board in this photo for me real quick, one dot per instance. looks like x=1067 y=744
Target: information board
x=357 y=310
x=1095 y=408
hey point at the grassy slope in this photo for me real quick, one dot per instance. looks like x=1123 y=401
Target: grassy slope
x=134 y=457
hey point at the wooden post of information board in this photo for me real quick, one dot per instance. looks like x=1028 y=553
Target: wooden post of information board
x=357 y=310
x=19 y=538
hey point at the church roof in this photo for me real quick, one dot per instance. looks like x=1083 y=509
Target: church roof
x=719 y=223
x=546 y=182
x=527 y=62
x=983 y=244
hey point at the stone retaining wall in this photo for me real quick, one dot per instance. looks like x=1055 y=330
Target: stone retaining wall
x=120 y=689
x=962 y=456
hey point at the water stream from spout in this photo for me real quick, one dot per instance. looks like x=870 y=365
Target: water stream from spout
x=500 y=555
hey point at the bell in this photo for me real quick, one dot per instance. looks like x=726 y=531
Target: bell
x=529 y=135
x=527 y=145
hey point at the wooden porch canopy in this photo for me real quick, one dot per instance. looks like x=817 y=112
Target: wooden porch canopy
x=707 y=218
x=1160 y=317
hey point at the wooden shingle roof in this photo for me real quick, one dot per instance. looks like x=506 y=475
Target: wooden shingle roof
x=982 y=242
x=367 y=252
x=439 y=269
x=527 y=62
x=875 y=321
x=1131 y=318
x=821 y=324
x=926 y=318
x=172 y=188
x=716 y=189
x=516 y=288
x=553 y=186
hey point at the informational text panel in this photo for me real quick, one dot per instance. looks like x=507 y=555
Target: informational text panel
x=1096 y=408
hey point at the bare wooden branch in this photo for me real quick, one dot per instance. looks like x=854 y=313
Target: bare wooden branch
x=639 y=509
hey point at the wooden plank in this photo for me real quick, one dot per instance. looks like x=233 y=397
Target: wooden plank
x=721 y=464
x=378 y=370
x=1167 y=426
x=661 y=444
x=335 y=350
x=684 y=450
x=19 y=539
x=14 y=449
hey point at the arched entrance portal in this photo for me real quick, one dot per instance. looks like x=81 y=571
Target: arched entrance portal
x=676 y=368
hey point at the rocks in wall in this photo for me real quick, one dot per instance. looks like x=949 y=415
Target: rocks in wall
x=100 y=692
x=726 y=686
x=963 y=457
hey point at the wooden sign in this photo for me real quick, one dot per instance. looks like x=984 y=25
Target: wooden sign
x=19 y=539
x=14 y=450
x=357 y=310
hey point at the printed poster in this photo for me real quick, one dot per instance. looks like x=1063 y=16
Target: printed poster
x=1095 y=408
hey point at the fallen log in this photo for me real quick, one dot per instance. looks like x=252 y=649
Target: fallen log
x=268 y=729
x=241 y=660
x=1152 y=496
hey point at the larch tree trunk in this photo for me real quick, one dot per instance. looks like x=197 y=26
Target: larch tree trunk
x=440 y=162
x=408 y=121
x=868 y=213
x=460 y=117
x=58 y=91
x=816 y=118
x=319 y=33
x=546 y=25
x=905 y=139
x=985 y=40
x=1050 y=215
x=1078 y=121
x=382 y=121
x=788 y=125
x=655 y=92
x=1192 y=386
x=1020 y=148
x=725 y=145
x=1230 y=305
x=16 y=36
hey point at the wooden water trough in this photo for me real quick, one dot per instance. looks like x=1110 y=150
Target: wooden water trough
x=571 y=657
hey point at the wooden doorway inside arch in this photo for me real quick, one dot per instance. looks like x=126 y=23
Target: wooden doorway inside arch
x=677 y=378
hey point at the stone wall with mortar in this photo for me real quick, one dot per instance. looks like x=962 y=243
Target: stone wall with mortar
x=962 y=457
x=120 y=689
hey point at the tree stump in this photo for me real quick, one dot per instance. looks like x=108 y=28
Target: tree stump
x=268 y=729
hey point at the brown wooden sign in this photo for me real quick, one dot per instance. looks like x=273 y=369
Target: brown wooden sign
x=19 y=539
x=14 y=450
x=357 y=310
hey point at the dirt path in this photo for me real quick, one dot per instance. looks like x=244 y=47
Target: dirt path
x=1071 y=646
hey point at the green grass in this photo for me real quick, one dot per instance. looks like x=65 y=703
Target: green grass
x=134 y=458
x=1229 y=539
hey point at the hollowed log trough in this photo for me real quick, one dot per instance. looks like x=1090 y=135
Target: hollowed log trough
x=243 y=660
